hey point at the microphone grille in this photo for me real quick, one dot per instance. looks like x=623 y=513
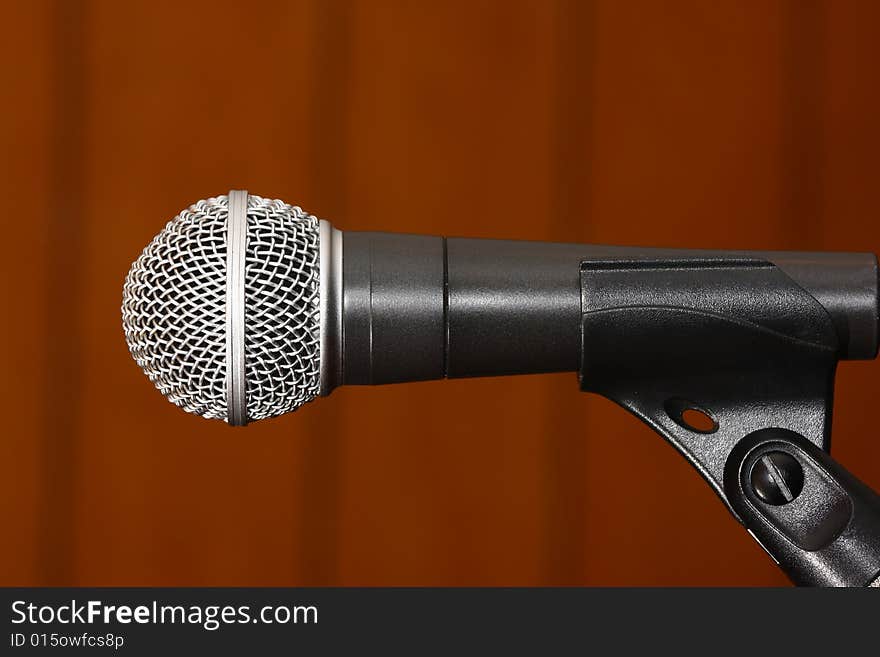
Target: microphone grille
x=174 y=308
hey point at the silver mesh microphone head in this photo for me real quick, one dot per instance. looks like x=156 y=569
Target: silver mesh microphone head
x=184 y=295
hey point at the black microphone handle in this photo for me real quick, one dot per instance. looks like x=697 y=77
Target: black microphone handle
x=419 y=307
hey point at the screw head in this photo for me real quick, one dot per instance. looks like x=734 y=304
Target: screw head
x=777 y=478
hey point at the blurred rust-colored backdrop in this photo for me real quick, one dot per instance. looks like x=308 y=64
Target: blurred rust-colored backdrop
x=671 y=123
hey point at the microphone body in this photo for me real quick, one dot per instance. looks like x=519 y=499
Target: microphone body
x=416 y=307
x=244 y=308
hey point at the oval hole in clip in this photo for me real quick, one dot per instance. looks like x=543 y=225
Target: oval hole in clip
x=689 y=416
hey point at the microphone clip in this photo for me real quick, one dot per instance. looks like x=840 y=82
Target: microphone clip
x=733 y=363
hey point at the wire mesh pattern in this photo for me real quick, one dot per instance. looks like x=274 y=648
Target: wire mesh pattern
x=174 y=309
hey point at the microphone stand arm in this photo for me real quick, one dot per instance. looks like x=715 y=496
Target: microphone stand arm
x=737 y=344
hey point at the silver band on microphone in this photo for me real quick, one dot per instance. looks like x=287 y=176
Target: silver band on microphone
x=236 y=243
x=330 y=276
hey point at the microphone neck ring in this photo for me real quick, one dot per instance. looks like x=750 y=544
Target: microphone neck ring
x=330 y=303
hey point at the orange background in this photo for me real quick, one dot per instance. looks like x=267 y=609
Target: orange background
x=715 y=124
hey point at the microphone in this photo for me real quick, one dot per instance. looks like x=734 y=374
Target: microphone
x=244 y=308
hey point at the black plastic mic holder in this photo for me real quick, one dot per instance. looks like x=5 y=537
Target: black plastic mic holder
x=733 y=363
